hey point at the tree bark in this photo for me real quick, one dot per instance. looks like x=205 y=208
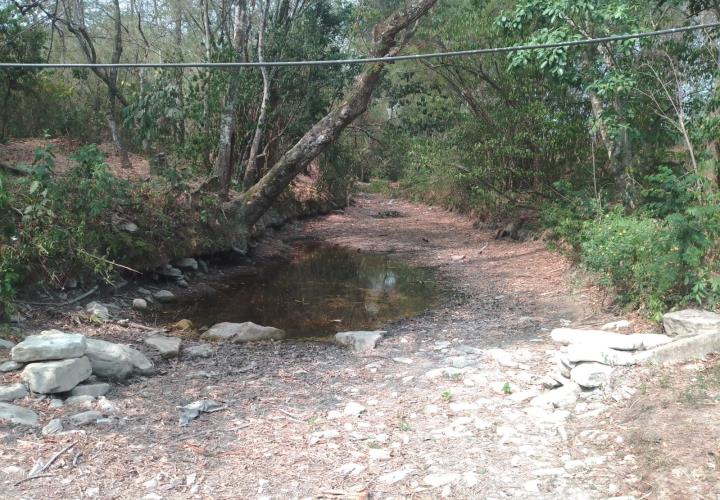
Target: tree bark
x=112 y=89
x=255 y=202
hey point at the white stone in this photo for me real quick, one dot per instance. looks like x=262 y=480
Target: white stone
x=94 y=390
x=168 y=347
x=378 y=454
x=242 y=332
x=187 y=263
x=690 y=322
x=84 y=401
x=49 y=345
x=396 y=476
x=612 y=340
x=56 y=376
x=17 y=415
x=438 y=480
x=139 y=304
x=10 y=366
x=98 y=312
x=502 y=357
x=6 y=344
x=116 y=361
x=85 y=418
x=578 y=353
x=351 y=469
x=561 y=397
x=616 y=325
x=591 y=375
x=684 y=349
x=353 y=409
x=359 y=341
x=164 y=296
x=12 y=392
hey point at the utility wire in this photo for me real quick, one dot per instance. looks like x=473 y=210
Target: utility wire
x=368 y=60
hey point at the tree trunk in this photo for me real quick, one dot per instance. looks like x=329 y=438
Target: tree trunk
x=255 y=202
x=112 y=89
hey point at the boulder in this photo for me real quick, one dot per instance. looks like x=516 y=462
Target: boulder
x=98 y=312
x=691 y=322
x=12 y=392
x=585 y=352
x=611 y=340
x=616 y=325
x=56 y=376
x=116 y=361
x=6 y=344
x=139 y=304
x=164 y=296
x=85 y=401
x=169 y=271
x=561 y=397
x=198 y=351
x=242 y=332
x=10 y=366
x=168 y=347
x=187 y=263
x=51 y=344
x=683 y=349
x=591 y=375
x=17 y=415
x=93 y=390
x=52 y=427
x=359 y=341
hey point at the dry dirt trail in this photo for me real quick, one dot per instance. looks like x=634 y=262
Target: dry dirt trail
x=441 y=408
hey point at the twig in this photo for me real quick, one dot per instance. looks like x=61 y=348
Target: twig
x=291 y=416
x=66 y=303
x=108 y=261
x=30 y=478
x=47 y=465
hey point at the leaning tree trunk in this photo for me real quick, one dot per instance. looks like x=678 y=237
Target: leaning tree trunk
x=255 y=202
x=113 y=92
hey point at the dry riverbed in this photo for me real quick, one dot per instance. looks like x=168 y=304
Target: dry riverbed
x=441 y=408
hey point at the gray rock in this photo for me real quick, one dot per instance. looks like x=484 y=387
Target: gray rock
x=182 y=283
x=169 y=271
x=129 y=227
x=616 y=325
x=187 y=263
x=585 y=352
x=106 y=405
x=502 y=357
x=56 y=403
x=116 y=361
x=85 y=418
x=591 y=375
x=683 y=349
x=242 y=332
x=198 y=351
x=611 y=340
x=10 y=366
x=83 y=401
x=6 y=344
x=18 y=415
x=203 y=266
x=93 y=390
x=56 y=376
x=98 y=312
x=164 y=296
x=140 y=304
x=12 y=392
x=168 y=347
x=359 y=341
x=52 y=427
x=561 y=397
x=437 y=480
x=690 y=322
x=51 y=344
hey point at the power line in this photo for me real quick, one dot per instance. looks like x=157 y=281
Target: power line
x=368 y=60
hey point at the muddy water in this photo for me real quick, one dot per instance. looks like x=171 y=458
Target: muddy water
x=323 y=289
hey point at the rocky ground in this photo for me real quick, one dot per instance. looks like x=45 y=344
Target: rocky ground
x=444 y=406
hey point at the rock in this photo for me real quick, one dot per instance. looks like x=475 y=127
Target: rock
x=140 y=304
x=591 y=375
x=52 y=427
x=616 y=325
x=98 y=312
x=84 y=401
x=106 y=405
x=198 y=351
x=187 y=263
x=183 y=324
x=129 y=227
x=683 y=349
x=85 y=418
x=116 y=361
x=182 y=283
x=10 y=366
x=12 y=392
x=94 y=390
x=56 y=376
x=168 y=347
x=585 y=352
x=690 y=322
x=359 y=341
x=503 y=358
x=51 y=344
x=562 y=397
x=203 y=266
x=611 y=340
x=351 y=469
x=549 y=382
x=6 y=344
x=438 y=480
x=164 y=296
x=353 y=409
x=169 y=271
x=18 y=415
x=396 y=476
x=242 y=332
x=56 y=403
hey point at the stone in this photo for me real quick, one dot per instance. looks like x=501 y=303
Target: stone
x=56 y=376
x=106 y=405
x=85 y=418
x=168 y=347
x=683 y=349
x=591 y=375
x=353 y=409
x=242 y=332
x=396 y=476
x=187 y=263
x=549 y=382
x=164 y=296
x=561 y=397
x=359 y=341
x=98 y=312
x=140 y=304
x=351 y=469
x=116 y=361
x=611 y=340
x=690 y=322
x=616 y=325
x=49 y=345
x=6 y=344
x=198 y=351
x=10 y=366
x=83 y=401
x=169 y=271
x=94 y=390
x=438 y=480
x=12 y=392
x=53 y=427
x=578 y=353
x=502 y=357
x=18 y=415
x=129 y=227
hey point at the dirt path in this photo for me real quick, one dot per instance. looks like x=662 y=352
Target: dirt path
x=440 y=409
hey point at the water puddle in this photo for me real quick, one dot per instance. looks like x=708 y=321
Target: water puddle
x=322 y=290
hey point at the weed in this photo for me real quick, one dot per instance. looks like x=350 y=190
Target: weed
x=507 y=390
x=447 y=395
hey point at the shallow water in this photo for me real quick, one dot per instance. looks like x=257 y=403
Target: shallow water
x=323 y=289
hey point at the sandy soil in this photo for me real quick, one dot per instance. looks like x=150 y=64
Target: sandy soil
x=444 y=398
